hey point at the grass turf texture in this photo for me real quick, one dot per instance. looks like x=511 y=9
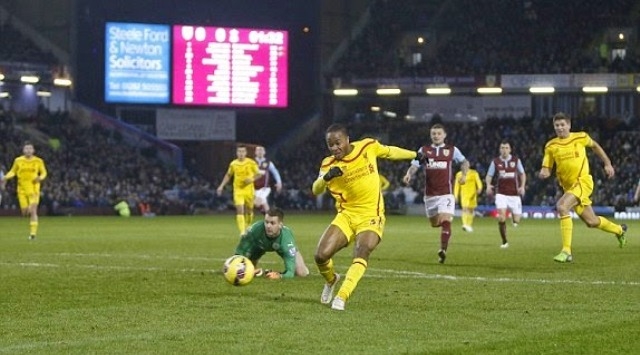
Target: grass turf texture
x=139 y=285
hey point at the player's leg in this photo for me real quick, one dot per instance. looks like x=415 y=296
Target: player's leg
x=369 y=231
x=515 y=206
x=589 y=217
x=463 y=215
x=516 y=211
x=471 y=212
x=564 y=206
x=501 y=206
x=261 y=200
x=502 y=227
x=33 y=219
x=23 y=202
x=444 y=221
x=29 y=207
x=301 y=268
x=515 y=218
x=445 y=209
x=265 y=204
x=466 y=218
x=261 y=204
x=238 y=201
x=248 y=209
x=432 y=206
x=332 y=240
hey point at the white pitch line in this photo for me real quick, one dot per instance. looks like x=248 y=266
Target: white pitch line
x=143 y=256
x=133 y=256
x=372 y=273
x=420 y=275
x=103 y=267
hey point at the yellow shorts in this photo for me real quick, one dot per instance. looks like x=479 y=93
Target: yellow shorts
x=582 y=190
x=352 y=224
x=469 y=202
x=244 y=198
x=27 y=199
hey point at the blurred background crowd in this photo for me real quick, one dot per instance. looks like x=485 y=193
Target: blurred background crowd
x=92 y=167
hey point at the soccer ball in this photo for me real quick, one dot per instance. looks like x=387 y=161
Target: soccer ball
x=238 y=270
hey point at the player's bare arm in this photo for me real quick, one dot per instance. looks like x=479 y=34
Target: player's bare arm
x=488 y=179
x=409 y=175
x=224 y=182
x=523 y=184
x=608 y=168
x=544 y=173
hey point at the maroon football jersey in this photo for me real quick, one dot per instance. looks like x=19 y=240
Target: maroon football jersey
x=264 y=179
x=507 y=176
x=438 y=170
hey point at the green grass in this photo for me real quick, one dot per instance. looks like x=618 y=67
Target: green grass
x=111 y=285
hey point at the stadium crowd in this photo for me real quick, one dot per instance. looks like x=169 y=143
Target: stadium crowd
x=92 y=167
x=482 y=37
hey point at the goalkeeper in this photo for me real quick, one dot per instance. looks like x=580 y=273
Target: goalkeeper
x=271 y=235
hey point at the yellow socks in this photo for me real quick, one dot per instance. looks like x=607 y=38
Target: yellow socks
x=608 y=226
x=566 y=231
x=248 y=219
x=353 y=276
x=33 y=227
x=327 y=271
x=240 y=223
x=467 y=219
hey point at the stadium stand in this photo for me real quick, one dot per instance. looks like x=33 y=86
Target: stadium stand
x=14 y=47
x=91 y=168
x=483 y=37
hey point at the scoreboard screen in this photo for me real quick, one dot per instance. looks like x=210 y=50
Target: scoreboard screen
x=221 y=66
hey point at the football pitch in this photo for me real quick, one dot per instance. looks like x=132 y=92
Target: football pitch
x=154 y=285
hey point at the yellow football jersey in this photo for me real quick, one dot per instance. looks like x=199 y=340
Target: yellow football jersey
x=242 y=170
x=26 y=170
x=358 y=189
x=469 y=190
x=569 y=155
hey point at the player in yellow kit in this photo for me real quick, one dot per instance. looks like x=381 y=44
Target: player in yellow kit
x=568 y=153
x=350 y=174
x=30 y=171
x=244 y=172
x=467 y=193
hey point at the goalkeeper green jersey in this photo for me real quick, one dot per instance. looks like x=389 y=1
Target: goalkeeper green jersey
x=255 y=243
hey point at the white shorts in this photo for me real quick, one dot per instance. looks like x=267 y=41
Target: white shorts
x=435 y=205
x=513 y=203
x=262 y=194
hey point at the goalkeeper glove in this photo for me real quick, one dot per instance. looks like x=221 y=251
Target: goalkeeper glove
x=332 y=173
x=274 y=275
